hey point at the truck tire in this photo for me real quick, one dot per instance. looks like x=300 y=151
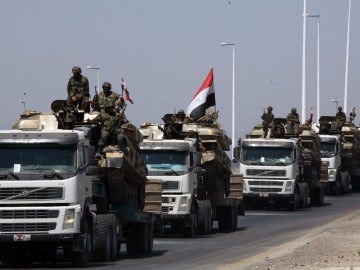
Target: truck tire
x=140 y=240
x=227 y=218
x=102 y=238
x=303 y=203
x=79 y=258
x=114 y=224
x=294 y=200
x=204 y=217
x=345 y=182
x=191 y=231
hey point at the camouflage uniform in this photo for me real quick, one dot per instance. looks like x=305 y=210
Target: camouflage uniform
x=112 y=97
x=293 y=122
x=78 y=87
x=268 y=119
x=340 y=116
x=110 y=126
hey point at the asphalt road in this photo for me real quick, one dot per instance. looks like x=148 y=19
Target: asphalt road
x=259 y=232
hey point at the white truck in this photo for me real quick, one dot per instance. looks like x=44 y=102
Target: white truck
x=54 y=195
x=339 y=180
x=282 y=171
x=194 y=192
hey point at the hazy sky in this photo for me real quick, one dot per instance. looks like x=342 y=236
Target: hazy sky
x=164 y=49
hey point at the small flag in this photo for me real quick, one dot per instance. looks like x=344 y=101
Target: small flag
x=125 y=91
x=203 y=99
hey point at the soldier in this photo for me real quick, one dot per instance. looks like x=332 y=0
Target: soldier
x=110 y=127
x=268 y=119
x=78 y=90
x=352 y=114
x=181 y=118
x=293 y=122
x=106 y=96
x=340 y=117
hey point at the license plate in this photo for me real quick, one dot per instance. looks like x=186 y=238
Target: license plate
x=22 y=237
x=264 y=195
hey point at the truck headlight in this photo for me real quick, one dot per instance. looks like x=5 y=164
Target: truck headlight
x=288 y=186
x=332 y=174
x=69 y=218
x=182 y=204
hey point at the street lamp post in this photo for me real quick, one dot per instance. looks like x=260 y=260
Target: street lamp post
x=318 y=64
x=98 y=76
x=303 y=84
x=336 y=102
x=233 y=94
x=347 y=60
x=23 y=102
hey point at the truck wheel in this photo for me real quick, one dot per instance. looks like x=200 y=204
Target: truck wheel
x=345 y=180
x=102 y=238
x=138 y=241
x=304 y=198
x=294 y=200
x=204 y=217
x=234 y=214
x=79 y=258
x=191 y=231
x=227 y=218
x=114 y=224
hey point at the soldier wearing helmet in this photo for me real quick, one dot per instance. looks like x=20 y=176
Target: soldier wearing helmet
x=105 y=96
x=78 y=90
x=340 y=117
x=292 y=126
x=180 y=117
x=268 y=120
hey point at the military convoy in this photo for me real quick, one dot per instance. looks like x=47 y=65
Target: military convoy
x=56 y=193
x=285 y=169
x=198 y=186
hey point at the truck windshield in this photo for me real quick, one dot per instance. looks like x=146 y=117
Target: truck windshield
x=165 y=162
x=49 y=160
x=328 y=149
x=267 y=155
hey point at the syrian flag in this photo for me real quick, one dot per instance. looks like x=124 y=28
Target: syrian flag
x=203 y=99
x=125 y=91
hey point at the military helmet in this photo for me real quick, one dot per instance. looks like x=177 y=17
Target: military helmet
x=339 y=108
x=181 y=112
x=106 y=84
x=293 y=109
x=269 y=108
x=76 y=69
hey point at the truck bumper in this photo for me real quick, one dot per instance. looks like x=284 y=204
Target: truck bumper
x=23 y=238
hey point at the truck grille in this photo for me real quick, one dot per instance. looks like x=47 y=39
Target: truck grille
x=265 y=189
x=22 y=214
x=169 y=185
x=265 y=183
x=265 y=172
x=27 y=227
x=31 y=193
x=165 y=209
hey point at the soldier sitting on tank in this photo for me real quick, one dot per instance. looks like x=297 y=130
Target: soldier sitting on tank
x=110 y=123
x=78 y=90
x=105 y=96
x=293 y=122
x=267 y=123
x=340 y=117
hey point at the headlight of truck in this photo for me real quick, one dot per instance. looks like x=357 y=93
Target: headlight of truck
x=69 y=219
x=289 y=186
x=332 y=174
x=182 y=204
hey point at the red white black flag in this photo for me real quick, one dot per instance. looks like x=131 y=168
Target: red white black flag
x=125 y=91
x=203 y=99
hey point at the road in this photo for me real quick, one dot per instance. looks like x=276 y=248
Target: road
x=258 y=233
